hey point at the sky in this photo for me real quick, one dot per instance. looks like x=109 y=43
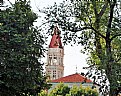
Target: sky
x=74 y=60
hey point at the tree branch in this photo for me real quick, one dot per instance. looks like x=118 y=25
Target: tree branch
x=10 y=2
x=89 y=66
x=110 y=21
x=86 y=28
x=94 y=6
x=99 y=33
x=103 y=9
x=118 y=59
x=47 y=22
x=115 y=36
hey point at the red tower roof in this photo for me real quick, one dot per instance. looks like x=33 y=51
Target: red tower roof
x=56 y=40
x=72 y=78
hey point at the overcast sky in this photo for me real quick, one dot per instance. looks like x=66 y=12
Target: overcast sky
x=73 y=57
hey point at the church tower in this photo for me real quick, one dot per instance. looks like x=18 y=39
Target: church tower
x=55 y=54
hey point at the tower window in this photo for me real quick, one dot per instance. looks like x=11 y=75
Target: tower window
x=50 y=60
x=55 y=57
x=55 y=60
x=54 y=72
x=49 y=72
x=54 y=76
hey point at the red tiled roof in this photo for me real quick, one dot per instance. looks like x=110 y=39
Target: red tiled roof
x=55 y=40
x=72 y=78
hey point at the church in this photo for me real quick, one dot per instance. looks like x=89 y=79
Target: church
x=55 y=67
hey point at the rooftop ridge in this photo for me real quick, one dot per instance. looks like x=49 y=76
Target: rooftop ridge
x=73 y=78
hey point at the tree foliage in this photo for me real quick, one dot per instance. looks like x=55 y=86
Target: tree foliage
x=96 y=25
x=21 y=47
x=60 y=89
x=64 y=90
x=43 y=93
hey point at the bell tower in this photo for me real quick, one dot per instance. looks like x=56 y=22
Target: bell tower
x=55 y=54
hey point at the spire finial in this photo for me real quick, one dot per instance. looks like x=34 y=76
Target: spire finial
x=76 y=68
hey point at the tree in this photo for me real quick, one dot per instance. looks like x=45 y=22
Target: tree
x=60 y=90
x=43 y=93
x=99 y=24
x=83 y=91
x=64 y=90
x=21 y=47
x=76 y=91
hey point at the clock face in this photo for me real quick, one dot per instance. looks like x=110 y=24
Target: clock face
x=55 y=60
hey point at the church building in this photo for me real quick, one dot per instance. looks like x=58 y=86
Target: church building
x=54 y=67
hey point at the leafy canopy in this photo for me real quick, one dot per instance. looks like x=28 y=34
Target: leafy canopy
x=64 y=90
x=21 y=47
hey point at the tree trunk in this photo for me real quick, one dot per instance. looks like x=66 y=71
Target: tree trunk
x=110 y=61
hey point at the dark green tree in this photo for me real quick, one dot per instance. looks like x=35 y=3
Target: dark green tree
x=96 y=25
x=21 y=48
